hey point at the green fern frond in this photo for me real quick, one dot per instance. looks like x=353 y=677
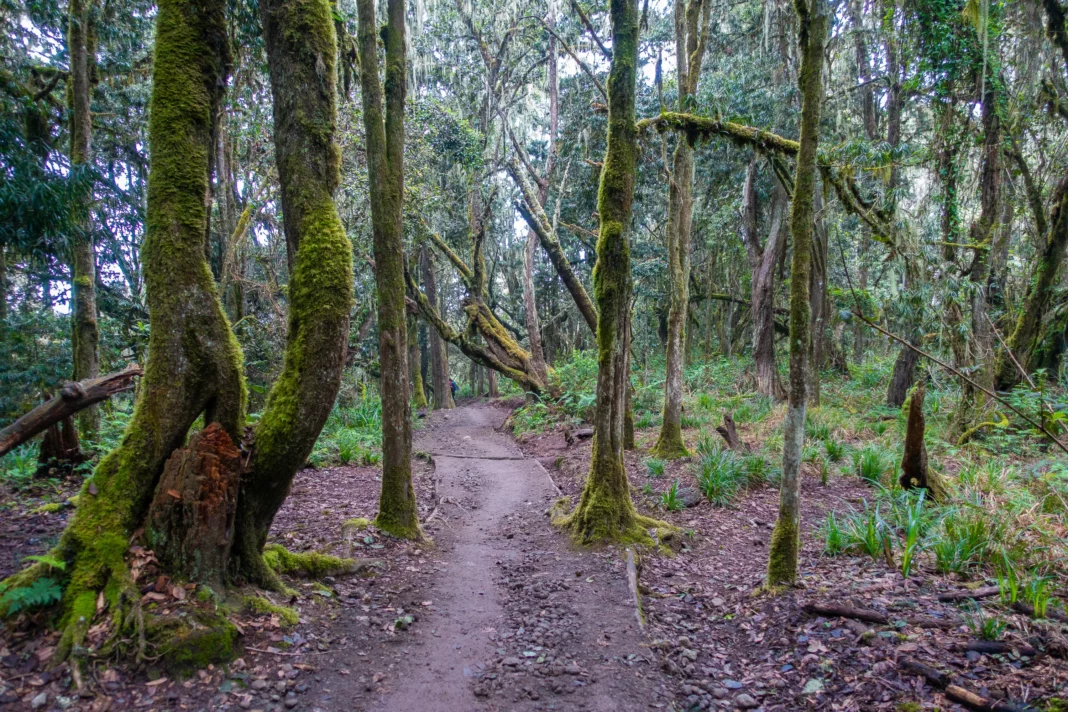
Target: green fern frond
x=42 y=592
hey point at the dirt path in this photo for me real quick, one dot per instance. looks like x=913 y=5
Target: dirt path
x=515 y=618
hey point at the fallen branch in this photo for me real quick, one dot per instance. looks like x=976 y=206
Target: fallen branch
x=72 y=398
x=973 y=594
x=997 y=647
x=872 y=616
x=939 y=680
x=1028 y=610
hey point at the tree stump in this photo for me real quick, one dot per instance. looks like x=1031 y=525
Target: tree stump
x=729 y=432
x=190 y=522
x=915 y=472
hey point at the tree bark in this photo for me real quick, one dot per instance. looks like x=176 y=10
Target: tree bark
x=85 y=334
x=3 y=288
x=785 y=539
x=915 y=472
x=397 y=512
x=762 y=260
x=605 y=511
x=190 y=523
x=689 y=47
x=439 y=367
x=902 y=377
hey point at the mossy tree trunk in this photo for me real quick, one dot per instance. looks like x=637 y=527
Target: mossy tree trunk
x=85 y=335
x=3 y=285
x=397 y=513
x=415 y=366
x=1026 y=339
x=439 y=365
x=605 y=511
x=691 y=26
x=194 y=364
x=785 y=539
x=301 y=55
x=980 y=348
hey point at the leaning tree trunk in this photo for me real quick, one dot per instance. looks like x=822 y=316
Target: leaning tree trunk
x=85 y=335
x=194 y=363
x=397 y=513
x=690 y=46
x=605 y=511
x=785 y=539
x=439 y=366
x=301 y=53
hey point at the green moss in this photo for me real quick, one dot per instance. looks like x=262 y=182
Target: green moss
x=670 y=445
x=909 y=707
x=50 y=508
x=262 y=606
x=783 y=553
x=1056 y=704
x=185 y=644
x=357 y=524
x=311 y=564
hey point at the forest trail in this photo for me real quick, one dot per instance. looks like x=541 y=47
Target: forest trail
x=519 y=619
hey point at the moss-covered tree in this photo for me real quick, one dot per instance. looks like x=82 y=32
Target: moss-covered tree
x=397 y=513
x=439 y=362
x=194 y=363
x=691 y=30
x=812 y=20
x=301 y=57
x=605 y=511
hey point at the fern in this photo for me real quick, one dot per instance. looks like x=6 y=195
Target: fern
x=42 y=592
x=48 y=561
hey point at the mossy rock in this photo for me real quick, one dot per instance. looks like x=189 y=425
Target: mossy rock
x=355 y=525
x=191 y=640
x=310 y=564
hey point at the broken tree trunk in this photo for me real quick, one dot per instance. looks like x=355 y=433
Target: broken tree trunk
x=72 y=398
x=915 y=472
x=729 y=432
x=190 y=522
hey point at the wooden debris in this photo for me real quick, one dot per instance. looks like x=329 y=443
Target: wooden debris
x=872 y=616
x=999 y=647
x=915 y=472
x=729 y=432
x=583 y=434
x=975 y=594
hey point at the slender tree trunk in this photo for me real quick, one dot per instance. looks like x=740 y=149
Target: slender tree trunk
x=415 y=366
x=3 y=286
x=439 y=366
x=689 y=48
x=981 y=343
x=397 y=512
x=85 y=335
x=530 y=308
x=785 y=539
x=818 y=304
x=301 y=54
x=605 y=511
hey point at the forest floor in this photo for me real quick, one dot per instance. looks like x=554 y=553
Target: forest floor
x=501 y=612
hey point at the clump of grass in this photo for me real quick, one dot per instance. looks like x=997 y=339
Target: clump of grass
x=868 y=464
x=645 y=421
x=655 y=466
x=670 y=499
x=963 y=541
x=1036 y=592
x=834 y=449
x=720 y=476
x=983 y=626
x=834 y=538
x=532 y=418
x=914 y=527
x=866 y=532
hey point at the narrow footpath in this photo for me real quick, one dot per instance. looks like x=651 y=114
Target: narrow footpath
x=520 y=619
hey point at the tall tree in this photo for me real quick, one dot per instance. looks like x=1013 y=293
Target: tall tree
x=605 y=512
x=397 y=513
x=439 y=363
x=691 y=30
x=813 y=21
x=85 y=334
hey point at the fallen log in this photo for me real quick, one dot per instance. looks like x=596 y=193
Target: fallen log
x=998 y=647
x=973 y=594
x=72 y=398
x=872 y=616
x=581 y=434
x=935 y=678
x=1028 y=610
